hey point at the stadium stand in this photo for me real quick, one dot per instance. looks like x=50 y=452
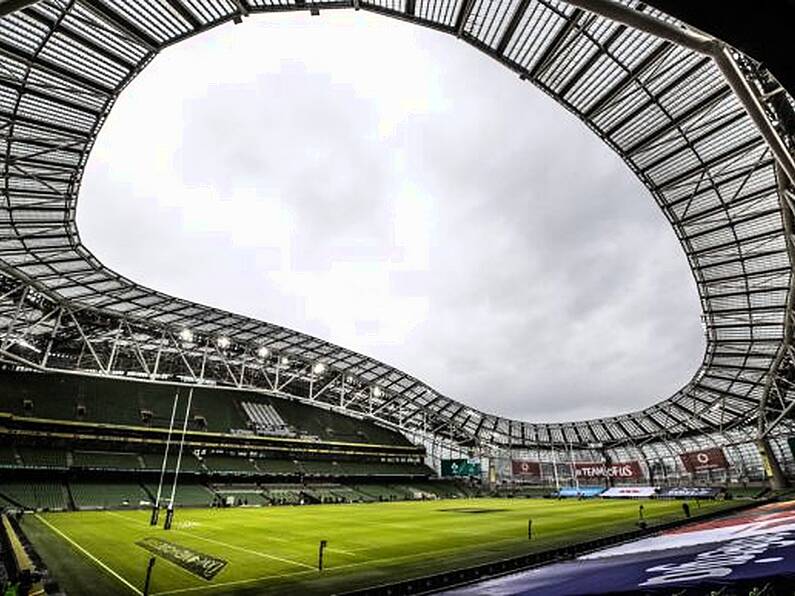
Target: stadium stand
x=251 y=494
x=138 y=404
x=105 y=460
x=228 y=464
x=42 y=457
x=276 y=466
x=34 y=494
x=284 y=495
x=154 y=461
x=188 y=494
x=93 y=495
x=265 y=419
x=377 y=492
x=334 y=494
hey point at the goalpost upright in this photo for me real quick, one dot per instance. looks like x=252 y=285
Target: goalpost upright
x=156 y=506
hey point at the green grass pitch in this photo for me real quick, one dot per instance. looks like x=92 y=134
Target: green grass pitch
x=274 y=549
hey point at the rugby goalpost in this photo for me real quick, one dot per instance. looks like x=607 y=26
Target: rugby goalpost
x=153 y=521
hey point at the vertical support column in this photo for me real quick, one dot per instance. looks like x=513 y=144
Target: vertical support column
x=773 y=471
x=608 y=461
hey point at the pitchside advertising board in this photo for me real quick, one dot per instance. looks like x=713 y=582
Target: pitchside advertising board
x=460 y=467
x=629 y=470
x=753 y=545
x=689 y=492
x=522 y=467
x=704 y=460
x=629 y=492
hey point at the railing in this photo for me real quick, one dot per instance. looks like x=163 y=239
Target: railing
x=24 y=569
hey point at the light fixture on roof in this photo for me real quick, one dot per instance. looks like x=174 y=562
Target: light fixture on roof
x=319 y=368
x=284 y=361
x=263 y=352
x=186 y=335
x=377 y=391
x=223 y=342
x=349 y=379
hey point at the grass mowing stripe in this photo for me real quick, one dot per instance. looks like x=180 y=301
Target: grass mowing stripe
x=88 y=554
x=246 y=550
x=328 y=569
x=227 y=545
x=233 y=583
x=400 y=540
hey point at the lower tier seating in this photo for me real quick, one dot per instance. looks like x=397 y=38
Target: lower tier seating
x=105 y=460
x=188 y=494
x=34 y=495
x=248 y=494
x=88 y=495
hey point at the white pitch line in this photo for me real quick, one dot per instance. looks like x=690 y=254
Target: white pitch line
x=246 y=550
x=330 y=569
x=88 y=554
x=218 y=542
x=210 y=587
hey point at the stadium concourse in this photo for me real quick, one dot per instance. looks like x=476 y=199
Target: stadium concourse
x=117 y=397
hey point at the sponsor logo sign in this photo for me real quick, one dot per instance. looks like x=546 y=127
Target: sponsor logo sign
x=583 y=491
x=199 y=564
x=689 y=492
x=626 y=470
x=629 y=491
x=520 y=467
x=706 y=459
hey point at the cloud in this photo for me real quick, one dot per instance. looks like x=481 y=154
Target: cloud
x=392 y=190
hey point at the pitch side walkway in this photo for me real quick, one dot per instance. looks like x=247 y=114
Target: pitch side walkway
x=750 y=546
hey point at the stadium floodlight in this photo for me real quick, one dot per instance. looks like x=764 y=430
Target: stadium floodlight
x=223 y=342
x=186 y=335
x=319 y=368
x=377 y=391
x=263 y=352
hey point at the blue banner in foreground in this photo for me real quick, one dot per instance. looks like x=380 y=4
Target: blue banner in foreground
x=583 y=491
x=747 y=546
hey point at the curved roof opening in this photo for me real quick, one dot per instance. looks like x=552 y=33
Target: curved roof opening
x=383 y=188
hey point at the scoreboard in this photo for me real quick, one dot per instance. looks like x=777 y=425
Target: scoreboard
x=461 y=467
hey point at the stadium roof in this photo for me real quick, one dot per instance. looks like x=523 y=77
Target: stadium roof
x=708 y=134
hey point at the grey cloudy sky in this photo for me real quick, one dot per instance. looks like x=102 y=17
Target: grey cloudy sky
x=392 y=190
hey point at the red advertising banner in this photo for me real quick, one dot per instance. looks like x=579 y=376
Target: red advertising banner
x=628 y=470
x=521 y=467
x=706 y=459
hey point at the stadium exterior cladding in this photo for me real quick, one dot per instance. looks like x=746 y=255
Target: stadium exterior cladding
x=667 y=110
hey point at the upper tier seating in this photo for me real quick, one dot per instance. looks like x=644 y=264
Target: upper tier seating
x=265 y=419
x=42 y=457
x=135 y=403
x=228 y=464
